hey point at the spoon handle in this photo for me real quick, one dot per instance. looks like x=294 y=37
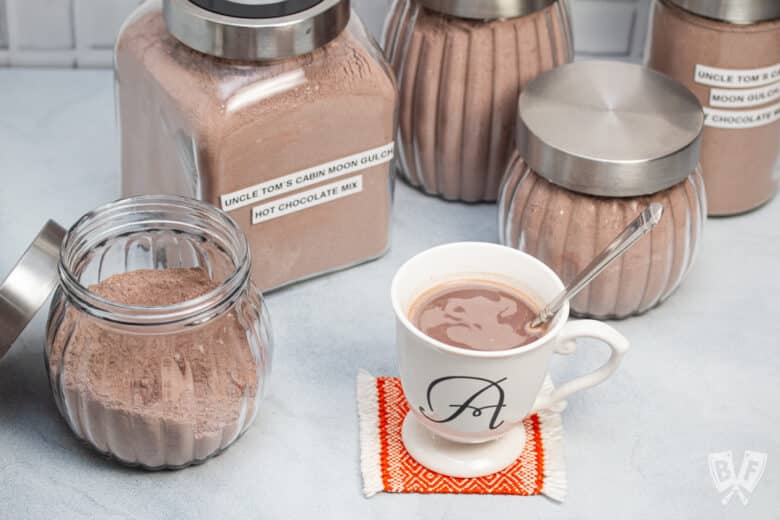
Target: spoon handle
x=642 y=225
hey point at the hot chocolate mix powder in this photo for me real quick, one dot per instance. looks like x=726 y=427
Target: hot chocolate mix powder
x=155 y=400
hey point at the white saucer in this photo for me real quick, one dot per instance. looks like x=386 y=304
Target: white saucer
x=457 y=459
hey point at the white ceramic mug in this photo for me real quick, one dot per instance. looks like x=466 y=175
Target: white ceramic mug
x=474 y=401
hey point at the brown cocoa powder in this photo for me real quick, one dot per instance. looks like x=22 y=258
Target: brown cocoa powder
x=460 y=80
x=155 y=400
x=201 y=126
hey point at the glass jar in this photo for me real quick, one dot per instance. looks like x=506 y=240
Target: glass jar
x=163 y=385
x=589 y=159
x=281 y=113
x=460 y=66
x=727 y=52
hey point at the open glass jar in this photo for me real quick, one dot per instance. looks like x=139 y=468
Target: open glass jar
x=172 y=381
x=461 y=65
x=597 y=142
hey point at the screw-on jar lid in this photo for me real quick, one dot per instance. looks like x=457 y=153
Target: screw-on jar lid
x=29 y=284
x=256 y=29
x=609 y=129
x=486 y=9
x=733 y=11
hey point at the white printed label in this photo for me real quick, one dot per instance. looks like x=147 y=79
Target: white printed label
x=307 y=177
x=307 y=199
x=741 y=118
x=741 y=98
x=736 y=78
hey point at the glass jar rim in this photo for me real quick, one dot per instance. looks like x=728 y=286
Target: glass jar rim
x=143 y=212
x=217 y=32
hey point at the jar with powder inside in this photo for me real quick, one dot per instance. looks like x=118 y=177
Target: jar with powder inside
x=158 y=344
x=597 y=142
x=727 y=52
x=281 y=113
x=461 y=65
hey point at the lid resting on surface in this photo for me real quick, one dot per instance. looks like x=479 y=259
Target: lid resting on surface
x=486 y=9
x=733 y=11
x=609 y=129
x=28 y=285
x=256 y=30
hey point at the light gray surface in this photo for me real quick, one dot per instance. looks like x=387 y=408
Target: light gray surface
x=702 y=375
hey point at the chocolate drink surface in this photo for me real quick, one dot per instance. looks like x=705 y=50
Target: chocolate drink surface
x=476 y=315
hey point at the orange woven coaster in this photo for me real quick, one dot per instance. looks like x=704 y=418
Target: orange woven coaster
x=387 y=466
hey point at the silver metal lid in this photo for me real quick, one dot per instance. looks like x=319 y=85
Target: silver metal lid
x=609 y=129
x=256 y=30
x=733 y=11
x=29 y=284
x=486 y=9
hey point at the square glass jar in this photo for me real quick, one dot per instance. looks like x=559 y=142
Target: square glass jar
x=299 y=149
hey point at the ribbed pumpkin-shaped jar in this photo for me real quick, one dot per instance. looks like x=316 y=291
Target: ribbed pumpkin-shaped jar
x=162 y=385
x=589 y=160
x=461 y=66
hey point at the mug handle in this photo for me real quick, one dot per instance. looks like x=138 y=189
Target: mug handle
x=586 y=329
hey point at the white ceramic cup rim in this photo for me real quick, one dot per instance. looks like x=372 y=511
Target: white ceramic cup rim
x=558 y=321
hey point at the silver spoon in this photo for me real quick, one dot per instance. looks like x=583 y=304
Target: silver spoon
x=641 y=226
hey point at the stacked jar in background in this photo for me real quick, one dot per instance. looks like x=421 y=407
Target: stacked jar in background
x=461 y=66
x=727 y=52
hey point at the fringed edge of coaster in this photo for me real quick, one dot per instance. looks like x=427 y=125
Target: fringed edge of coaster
x=555 y=485
x=370 y=443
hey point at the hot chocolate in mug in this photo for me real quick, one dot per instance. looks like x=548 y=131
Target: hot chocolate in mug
x=467 y=406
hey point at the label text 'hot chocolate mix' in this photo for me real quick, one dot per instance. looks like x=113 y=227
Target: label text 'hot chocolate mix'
x=304 y=178
x=307 y=199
